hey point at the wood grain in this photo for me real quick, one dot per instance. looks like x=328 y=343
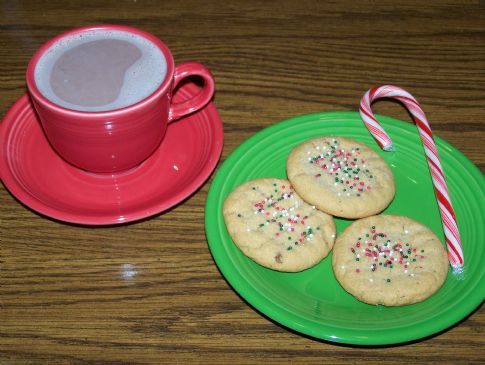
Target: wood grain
x=149 y=292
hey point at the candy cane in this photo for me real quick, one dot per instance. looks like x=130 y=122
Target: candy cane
x=452 y=236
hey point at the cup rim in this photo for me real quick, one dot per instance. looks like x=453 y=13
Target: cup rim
x=161 y=90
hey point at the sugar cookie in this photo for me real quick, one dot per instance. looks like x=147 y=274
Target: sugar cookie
x=341 y=177
x=272 y=225
x=390 y=260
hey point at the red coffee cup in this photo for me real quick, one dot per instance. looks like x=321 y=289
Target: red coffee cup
x=119 y=139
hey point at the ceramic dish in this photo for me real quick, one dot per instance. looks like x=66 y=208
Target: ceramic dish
x=40 y=179
x=312 y=302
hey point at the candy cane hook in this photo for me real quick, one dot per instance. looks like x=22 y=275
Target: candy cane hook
x=452 y=236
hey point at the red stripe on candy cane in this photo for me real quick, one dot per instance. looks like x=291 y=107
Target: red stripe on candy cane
x=448 y=218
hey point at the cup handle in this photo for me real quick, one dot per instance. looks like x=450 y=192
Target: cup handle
x=183 y=70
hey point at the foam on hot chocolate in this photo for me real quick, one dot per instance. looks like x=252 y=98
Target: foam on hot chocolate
x=100 y=70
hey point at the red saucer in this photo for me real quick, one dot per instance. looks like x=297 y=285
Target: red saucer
x=40 y=179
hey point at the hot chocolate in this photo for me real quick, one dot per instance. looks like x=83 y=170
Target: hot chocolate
x=100 y=70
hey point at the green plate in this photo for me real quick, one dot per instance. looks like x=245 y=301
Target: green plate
x=312 y=302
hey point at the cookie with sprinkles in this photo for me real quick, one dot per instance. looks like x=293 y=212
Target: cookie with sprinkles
x=273 y=226
x=341 y=177
x=390 y=260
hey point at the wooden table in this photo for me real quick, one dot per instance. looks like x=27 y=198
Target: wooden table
x=63 y=298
